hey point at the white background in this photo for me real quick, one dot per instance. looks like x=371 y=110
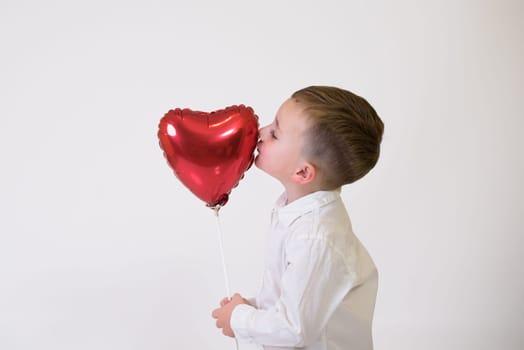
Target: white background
x=101 y=247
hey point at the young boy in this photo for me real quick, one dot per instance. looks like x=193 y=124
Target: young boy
x=319 y=285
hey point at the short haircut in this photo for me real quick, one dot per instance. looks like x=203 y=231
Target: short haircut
x=343 y=136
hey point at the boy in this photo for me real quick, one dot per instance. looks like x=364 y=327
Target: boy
x=319 y=285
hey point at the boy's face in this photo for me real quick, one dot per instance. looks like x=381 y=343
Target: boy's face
x=281 y=142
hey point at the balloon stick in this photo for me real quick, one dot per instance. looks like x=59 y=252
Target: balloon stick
x=222 y=256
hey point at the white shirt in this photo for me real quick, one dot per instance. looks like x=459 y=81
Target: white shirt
x=319 y=286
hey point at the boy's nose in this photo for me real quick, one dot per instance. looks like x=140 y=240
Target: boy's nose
x=262 y=133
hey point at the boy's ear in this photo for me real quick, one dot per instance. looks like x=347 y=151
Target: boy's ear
x=305 y=174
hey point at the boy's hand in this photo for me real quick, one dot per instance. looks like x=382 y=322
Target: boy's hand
x=223 y=314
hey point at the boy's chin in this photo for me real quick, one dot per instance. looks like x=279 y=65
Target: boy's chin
x=258 y=164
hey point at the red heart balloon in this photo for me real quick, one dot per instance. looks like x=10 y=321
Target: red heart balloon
x=209 y=152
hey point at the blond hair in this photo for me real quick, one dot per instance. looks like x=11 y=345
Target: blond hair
x=344 y=134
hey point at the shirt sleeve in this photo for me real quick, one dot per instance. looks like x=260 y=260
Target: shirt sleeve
x=313 y=285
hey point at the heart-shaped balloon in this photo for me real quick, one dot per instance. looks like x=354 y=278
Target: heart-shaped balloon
x=209 y=152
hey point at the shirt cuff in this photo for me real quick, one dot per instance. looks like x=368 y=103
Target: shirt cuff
x=239 y=322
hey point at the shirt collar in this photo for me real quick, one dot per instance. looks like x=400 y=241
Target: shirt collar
x=287 y=213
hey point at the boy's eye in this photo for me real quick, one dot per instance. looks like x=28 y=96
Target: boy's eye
x=272 y=133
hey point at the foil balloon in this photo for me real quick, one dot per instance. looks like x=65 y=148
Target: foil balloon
x=209 y=152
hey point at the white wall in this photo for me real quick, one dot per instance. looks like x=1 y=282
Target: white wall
x=102 y=248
